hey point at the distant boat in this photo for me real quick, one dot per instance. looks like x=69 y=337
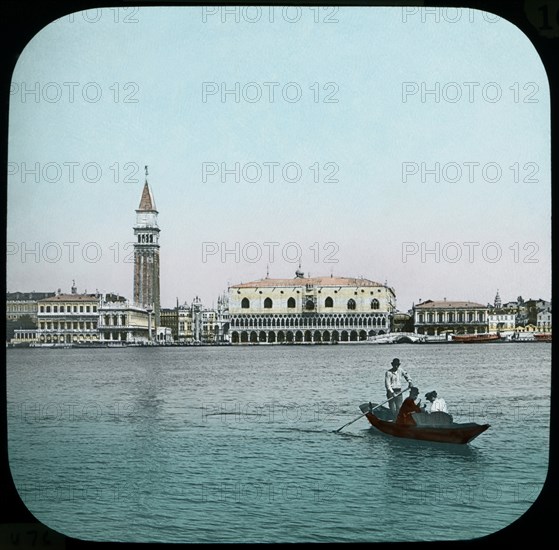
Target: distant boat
x=476 y=338
x=437 y=427
x=543 y=337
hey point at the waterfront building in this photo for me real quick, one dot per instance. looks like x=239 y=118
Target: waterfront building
x=21 y=304
x=527 y=328
x=543 y=322
x=24 y=337
x=169 y=318
x=123 y=322
x=459 y=317
x=402 y=321
x=77 y=319
x=501 y=320
x=309 y=309
x=197 y=324
x=68 y=318
x=146 y=255
x=222 y=319
x=163 y=336
x=533 y=308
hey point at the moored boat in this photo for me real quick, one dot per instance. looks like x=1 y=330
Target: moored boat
x=543 y=337
x=476 y=338
x=437 y=427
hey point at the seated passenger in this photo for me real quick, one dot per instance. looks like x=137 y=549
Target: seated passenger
x=438 y=404
x=408 y=407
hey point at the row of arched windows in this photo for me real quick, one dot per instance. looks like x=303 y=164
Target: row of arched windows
x=310 y=305
x=145 y=238
x=293 y=337
x=309 y=322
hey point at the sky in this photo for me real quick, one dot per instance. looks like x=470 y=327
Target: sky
x=395 y=144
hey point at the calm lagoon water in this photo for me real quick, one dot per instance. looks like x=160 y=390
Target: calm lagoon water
x=237 y=444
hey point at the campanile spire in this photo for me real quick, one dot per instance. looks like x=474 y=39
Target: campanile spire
x=146 y=253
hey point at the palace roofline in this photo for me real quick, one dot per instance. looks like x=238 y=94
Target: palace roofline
x=71 y=298
x=446 y=304
x=303 y=281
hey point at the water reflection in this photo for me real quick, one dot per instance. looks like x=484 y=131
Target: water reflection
x=400 y=448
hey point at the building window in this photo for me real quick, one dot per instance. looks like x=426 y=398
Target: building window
x=328 y=302
x=291 y=302
x=309 y=306
x=42 y=309
x=81 y=309
x=245 y=304
x=351 y=304
x=61 y=309
x=55 y=309
x=374 y=303
x=48 y=309
x=94 y=309
x=87 y=309
x=268 y=303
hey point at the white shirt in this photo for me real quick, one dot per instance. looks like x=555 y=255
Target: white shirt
x=439 y=405
x=392 y=379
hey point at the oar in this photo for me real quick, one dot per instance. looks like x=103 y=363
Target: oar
x=376 y=407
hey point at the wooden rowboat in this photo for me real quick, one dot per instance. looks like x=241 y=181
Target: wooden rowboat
x=438 y=427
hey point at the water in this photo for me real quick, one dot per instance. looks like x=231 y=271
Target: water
x=237 y=444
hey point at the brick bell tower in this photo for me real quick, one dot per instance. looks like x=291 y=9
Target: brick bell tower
x=146 y=254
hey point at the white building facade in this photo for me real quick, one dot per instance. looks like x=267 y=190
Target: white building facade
x=436 y=317
x=501 y=320
x=309 y=310
x=68 y=319
x=125 y=323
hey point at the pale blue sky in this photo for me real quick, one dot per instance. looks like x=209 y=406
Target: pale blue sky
x=168 y=53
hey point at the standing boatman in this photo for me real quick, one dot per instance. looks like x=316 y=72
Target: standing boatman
x=393 y=383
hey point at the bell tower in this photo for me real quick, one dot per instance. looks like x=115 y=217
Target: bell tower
x=146 y=254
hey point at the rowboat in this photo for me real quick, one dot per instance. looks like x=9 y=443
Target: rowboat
x=476 y=338
x=438 y=426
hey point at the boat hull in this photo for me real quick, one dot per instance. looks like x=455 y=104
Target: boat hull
x=542 y=337
x=444 y=432
x=475 y=338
